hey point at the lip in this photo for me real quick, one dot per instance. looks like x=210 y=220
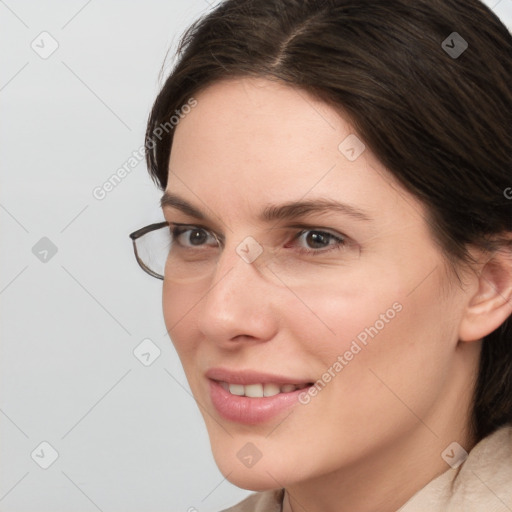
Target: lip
x=251 y=377
x=246 y=410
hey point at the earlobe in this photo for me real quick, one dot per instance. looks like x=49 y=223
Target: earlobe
x=491 y=304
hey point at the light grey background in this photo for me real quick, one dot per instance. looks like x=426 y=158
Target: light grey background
x=128 y=436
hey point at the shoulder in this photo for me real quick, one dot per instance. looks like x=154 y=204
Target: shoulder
x=268 y=501
x=483 y=480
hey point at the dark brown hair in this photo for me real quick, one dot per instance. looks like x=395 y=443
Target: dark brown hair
x=440 y=123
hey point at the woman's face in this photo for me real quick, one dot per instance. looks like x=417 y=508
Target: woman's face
x=354 y=298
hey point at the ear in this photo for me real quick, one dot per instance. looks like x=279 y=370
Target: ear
x=490 y=302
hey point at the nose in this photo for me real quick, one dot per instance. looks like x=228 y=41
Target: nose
x=240 y=303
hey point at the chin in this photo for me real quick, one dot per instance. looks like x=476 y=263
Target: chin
x=251 y=479
x=267 y=473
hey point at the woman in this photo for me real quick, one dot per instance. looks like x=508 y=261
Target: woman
x=337 y=192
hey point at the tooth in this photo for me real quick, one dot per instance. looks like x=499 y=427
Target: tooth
x=236 y=389
x=254 y=390
x=260 y=390
x=270 y=389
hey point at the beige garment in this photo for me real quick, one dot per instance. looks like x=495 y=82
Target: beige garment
x=483 y=483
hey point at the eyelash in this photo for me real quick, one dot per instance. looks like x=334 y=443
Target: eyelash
x=179 y=229
x=340 y=242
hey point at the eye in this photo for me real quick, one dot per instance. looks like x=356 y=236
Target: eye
x=192 y=236
x=318 y=241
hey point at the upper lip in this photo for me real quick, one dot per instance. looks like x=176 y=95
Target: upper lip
x=246 y=377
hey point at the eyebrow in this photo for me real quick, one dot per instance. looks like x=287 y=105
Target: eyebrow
x=286 y=211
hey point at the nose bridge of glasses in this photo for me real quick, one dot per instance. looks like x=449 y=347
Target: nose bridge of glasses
x=243 y=253
x=250 y=250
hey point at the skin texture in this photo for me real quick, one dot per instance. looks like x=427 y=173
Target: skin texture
x=382 y=423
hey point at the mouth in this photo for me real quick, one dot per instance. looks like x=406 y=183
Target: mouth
x=252 y=397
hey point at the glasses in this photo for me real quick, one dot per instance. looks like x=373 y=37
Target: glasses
x=188 y=253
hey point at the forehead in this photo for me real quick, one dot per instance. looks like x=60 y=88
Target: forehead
x=255 y=110
x=259 y=142
x=251 y=122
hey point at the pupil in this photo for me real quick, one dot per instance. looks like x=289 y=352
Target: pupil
x=316 y=239
x=197 y=237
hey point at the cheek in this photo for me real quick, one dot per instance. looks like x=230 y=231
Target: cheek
x=384 y=330
x=388 y=349
x=335 y=320
x=385 y=308
x=178 y=304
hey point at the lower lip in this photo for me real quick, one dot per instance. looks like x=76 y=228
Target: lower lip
x=250 y=411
